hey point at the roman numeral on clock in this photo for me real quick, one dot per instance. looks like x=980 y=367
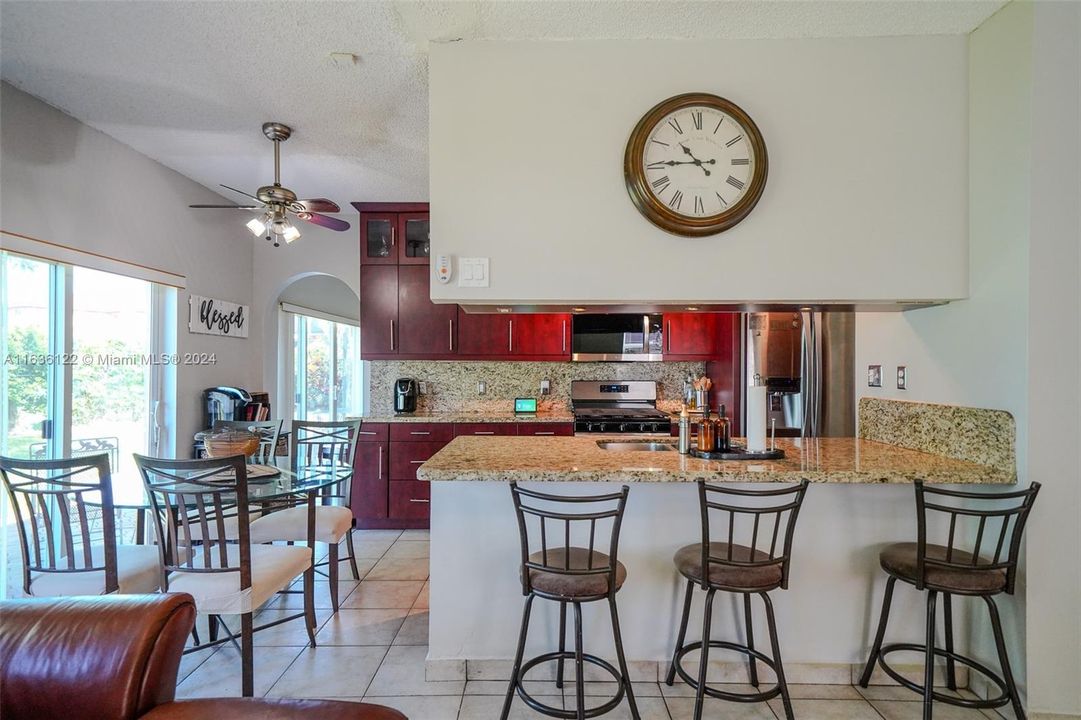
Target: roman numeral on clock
x=697 y=117
x=660 y=184
x=699 y=206
x=741 y=161
x=733 y=141
x=737 y=184
x=718 y=126
x=675 y=125
x=677 y=200
x=660 y=143
x=658 y=166
x=724 y=203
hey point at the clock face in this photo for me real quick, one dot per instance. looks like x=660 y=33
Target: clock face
x=695 y=164
x=698 y=161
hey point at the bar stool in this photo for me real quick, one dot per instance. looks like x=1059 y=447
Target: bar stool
x=951 y=571
x=745 y=569
x=570 y=574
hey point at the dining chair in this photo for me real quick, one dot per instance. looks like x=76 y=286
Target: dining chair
x=268 y=431
x=67 y=530
x=318 y=443
x=225 y=576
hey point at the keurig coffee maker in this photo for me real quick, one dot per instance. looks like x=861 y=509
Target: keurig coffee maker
x=405 y=395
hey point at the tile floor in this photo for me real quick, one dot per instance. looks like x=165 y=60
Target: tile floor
x=374 y=649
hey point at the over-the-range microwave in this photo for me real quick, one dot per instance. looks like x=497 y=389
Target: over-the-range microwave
x=616 y=338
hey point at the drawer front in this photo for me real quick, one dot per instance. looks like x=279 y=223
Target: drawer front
x=373 y=432
x=409 y=499
x=558 y=429
x=421 y=432
x=484 y=429
x=406 y=457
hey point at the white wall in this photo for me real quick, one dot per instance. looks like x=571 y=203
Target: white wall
x=64 y=182
x=867 y=188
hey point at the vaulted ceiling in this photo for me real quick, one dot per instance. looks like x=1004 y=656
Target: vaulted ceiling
x=190 y=83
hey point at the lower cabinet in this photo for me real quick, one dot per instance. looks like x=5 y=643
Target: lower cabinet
x=409 y=500
x=371 y=471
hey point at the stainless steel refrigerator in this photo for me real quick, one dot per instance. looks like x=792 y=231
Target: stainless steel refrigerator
x=806 y=359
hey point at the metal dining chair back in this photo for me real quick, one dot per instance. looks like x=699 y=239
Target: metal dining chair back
x=268 y=431
x=327 y=442
x=56 y=505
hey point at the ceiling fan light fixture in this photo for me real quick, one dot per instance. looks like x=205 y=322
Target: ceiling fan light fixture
x=257 y=226
x=290 y=233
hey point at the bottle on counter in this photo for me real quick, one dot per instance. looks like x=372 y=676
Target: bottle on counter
x=684 y=431
x=688 y=391
x=724 y=431
x=707 y=432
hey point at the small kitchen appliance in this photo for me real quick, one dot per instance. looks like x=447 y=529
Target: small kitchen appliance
x=618 y=406
x=224 y=403
x=405 y=395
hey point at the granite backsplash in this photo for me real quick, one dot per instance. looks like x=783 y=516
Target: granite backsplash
x=452 y=385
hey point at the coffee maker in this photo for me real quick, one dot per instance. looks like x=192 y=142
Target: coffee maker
x=224 y=403
x=405 y=395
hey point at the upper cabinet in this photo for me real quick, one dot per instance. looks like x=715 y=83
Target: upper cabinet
x=699 y=336
x=394 y=233
x=541 y=336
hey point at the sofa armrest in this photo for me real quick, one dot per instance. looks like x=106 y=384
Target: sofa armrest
x=271 y=709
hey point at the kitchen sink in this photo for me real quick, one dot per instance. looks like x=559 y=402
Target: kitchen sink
x=633 y=446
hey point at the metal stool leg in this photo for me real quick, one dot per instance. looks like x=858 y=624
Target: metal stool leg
x=622 y=660
x=332 y=575
x=1004 y=660
x=517 y=658
x=247 y=661
x=947 y=619
x=352 y=555
x=876 y=648
x=579 y=665
x=929 y=658
x=750 y=638
x=562 y=643
x=771 y=621
x=682 y=634
x=700 y=692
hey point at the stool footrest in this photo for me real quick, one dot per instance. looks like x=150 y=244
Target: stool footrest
x=560 y=712
x=1002 y=699
x=772 y=692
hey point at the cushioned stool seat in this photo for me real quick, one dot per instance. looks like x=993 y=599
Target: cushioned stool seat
x=900 y=559
x=688 y=560
x=273 y=567
x=573 y=586
x=138 y=571
x=331 y=525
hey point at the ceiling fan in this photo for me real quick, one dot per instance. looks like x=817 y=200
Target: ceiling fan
x=278 y=203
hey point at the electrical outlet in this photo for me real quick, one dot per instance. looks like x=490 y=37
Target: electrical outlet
x=546 y=387
x=902 y=377
x=422 y=387
x=874 y=376
x=482 y=387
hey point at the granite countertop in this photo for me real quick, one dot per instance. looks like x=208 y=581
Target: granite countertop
x=561 y=459
x=490 y=416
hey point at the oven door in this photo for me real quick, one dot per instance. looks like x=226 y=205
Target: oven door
x=617 y=338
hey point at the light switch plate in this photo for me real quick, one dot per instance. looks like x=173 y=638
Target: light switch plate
x=422 y=387
x=902 y=377
x=874 y=376
x=472 y=272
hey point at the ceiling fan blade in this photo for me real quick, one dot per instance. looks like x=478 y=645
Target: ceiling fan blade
x=319 y=205
x=242 y=193
x=229 y=207
x=324 y=221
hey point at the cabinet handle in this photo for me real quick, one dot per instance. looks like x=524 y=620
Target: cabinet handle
x=668 y=332
x=545 y=432
x=450 y=341
x=380 y=476
x=392 y=335
x=510 y=336
x=392 y=235
x=564 y=336
x=417 y=462
x=419 y=432
x=366 y=432
x=484 y=432
x=420 y=500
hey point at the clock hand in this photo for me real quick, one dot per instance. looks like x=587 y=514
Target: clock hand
x=696 y=161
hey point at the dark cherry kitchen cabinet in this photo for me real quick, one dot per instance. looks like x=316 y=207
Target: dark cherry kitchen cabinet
x=698 y=336
x=513 y=336
x=424 y=328
x=371 y=472
x=483 y=335
x=414 y=247
x=542 y=335
x=379 y=310
x=526 y=429
x=379 y=238
x=394 y=233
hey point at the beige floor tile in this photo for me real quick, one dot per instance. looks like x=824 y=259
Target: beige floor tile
x=362 y=627
x=649 y=708
x=321 y=594
x=291 y=632
x=385 y=594
x=372 y=548
x=892 y=710
x=414 y=630
x=390 y=568
x=422 y=602
x=499 y=687
x=219 y=676
x=488 y=707
x=408 y=549
x=822 y=692
x=682 y=708
x=330 y=671
x=433 y=707
x=608 y=689
x=191 y=661
x=415 y=535
x=806 y=709
x=402 y=673
x=681 y=689
x=902 y=694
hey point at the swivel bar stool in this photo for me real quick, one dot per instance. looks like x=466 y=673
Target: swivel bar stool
x=745 y=569
x=570 y=574
x=951 y=571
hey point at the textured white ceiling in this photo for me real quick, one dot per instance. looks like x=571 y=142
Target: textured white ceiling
x=190 y=83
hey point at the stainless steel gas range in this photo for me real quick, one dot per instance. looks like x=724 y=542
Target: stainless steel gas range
x=625 y=407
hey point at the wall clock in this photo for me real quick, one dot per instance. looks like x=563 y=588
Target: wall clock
x=695 y=164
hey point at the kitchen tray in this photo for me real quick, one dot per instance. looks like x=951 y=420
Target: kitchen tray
x=739 y=452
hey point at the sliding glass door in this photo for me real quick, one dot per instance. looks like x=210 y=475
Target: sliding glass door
x=326 y=360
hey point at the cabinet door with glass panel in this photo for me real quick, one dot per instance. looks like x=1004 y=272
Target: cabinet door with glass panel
x=379 y=238
x=414 y=247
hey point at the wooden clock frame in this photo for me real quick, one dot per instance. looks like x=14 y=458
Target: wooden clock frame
x=660 y=214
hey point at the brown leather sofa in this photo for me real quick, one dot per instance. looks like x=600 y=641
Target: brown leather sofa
x=116 y=658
